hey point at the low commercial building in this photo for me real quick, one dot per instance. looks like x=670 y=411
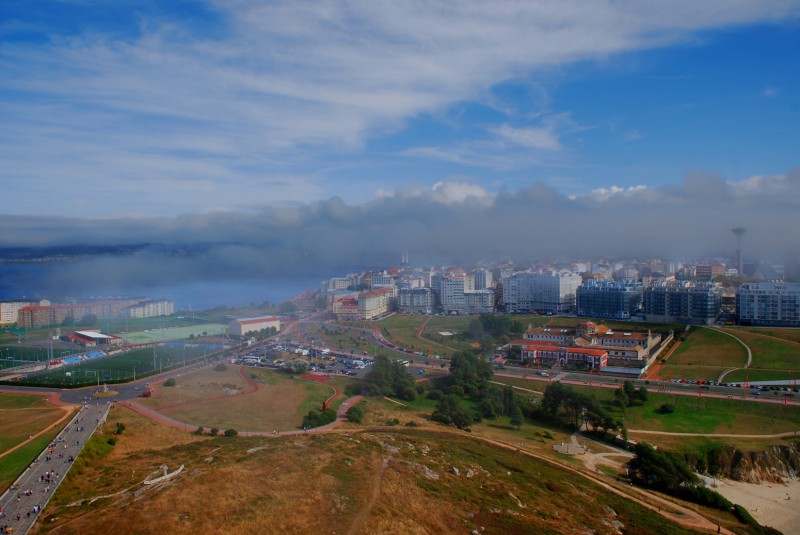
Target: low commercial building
x=244 y=326
x=92 y=338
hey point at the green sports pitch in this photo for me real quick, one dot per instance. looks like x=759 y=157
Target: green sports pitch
x=173 y=333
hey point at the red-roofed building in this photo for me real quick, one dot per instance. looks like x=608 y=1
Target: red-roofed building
x=565 y=357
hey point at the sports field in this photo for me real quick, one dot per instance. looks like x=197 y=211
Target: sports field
x=173 y=333
x=121 y=367
x=261 y=400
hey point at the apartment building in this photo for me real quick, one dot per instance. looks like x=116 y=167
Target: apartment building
x=769 y=304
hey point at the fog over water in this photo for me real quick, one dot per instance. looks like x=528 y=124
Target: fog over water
x=62 y=280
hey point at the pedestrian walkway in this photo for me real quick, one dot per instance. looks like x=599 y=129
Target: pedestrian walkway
x=24 y=501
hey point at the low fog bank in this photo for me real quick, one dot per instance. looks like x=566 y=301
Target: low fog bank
x=452 y=222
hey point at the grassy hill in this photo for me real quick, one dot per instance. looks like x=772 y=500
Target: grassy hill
x=373 y=481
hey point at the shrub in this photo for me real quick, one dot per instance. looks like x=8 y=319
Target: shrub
x=170 y=382
x=408 y=393
x=220 y=367
x=120 y=428
x=393 y=421
x=435 y=394
x=214 y=431
x=231 y=432
x=111 y=441
x=355 y=414
x=318 y=418
x=412 y=423
x=666 y=408
x=199 y=431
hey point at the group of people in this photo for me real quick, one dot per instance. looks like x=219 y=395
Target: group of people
x=55 y=451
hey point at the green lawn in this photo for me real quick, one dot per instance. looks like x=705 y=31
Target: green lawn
x=756 y=374
x=173 y=333
x=770 y=353
x=695 y=414
x=787 y=333
x=708 y=347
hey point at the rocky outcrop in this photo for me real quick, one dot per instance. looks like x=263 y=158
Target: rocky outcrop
x=772 y=465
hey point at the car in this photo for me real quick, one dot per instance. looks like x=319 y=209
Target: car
x=756 y=393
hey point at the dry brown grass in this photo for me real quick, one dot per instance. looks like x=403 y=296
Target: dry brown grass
x=372 y=482
x=225 y=400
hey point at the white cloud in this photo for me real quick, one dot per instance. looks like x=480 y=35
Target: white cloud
x=604 y=194
x=448 y=192
x=284 y=83
x=535 y=138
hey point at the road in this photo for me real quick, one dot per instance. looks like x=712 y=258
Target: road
x=24 y=501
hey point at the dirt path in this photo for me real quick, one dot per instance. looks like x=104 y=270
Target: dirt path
x=378 y=465
x=655 y=372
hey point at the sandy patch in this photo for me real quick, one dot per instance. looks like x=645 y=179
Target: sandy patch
x=772 y=504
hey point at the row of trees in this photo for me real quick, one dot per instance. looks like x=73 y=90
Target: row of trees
x=469 y=378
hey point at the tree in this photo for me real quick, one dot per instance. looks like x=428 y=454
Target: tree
x=469 y=372
x=170 y=382
x=89 y=319
x=213 y=431
x=220 y=367
x=388 y=378
x=69 y=320
x=449 y=410
x=296 y=366
x=515 y=416
x=231 y=432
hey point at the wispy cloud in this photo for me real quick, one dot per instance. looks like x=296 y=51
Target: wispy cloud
x=200 y=119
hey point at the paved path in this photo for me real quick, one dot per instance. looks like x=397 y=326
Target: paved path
x=24 y=501
x=746 y=347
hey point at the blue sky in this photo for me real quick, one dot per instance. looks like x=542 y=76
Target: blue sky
x=136 y=110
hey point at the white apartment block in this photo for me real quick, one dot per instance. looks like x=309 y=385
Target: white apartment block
x=550 y=292
x=480 y=301
x=768 y=303
x=379 y=280
x=374 y=303
x=454 y=300
x=483 y=279
x=151 y=309
x=417 y=300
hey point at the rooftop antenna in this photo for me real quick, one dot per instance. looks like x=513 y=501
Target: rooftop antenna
x=739 y=232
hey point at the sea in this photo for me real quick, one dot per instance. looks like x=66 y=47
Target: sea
x=35 y=281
